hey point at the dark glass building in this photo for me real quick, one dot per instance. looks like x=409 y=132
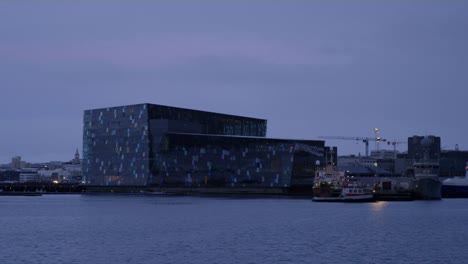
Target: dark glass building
x=453 y=162
x=148 y=144
x=423 y=147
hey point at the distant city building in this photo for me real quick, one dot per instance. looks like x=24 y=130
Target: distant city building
x=360 y=166
x=73 y=173
x=453 y=162
x=401 y=165
x=29 y=175
x=16 y=163
x=52 y=165
x=383 y=154
x=147 y=144
x=76 y=160
x=357 y=161
x=48 y=175
x=9 y=175
x=421 y=147
x=20 y=171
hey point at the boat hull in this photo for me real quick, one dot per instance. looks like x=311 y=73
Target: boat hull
x=428 y=189
x=359 y=198
x=363 y=200
x=355 y=198
x=349 y=193
x=327 y=199
x=327 y=193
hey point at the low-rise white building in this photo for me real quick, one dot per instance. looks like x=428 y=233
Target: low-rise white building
x=29 y=175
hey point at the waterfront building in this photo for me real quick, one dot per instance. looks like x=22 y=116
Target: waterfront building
x=28 y=175
x=360 y=166
x=420 y=149
x=147 y=144
x=423 y=147
x=68 y=173
x=8 y=175
x=52 y=165
x=17 y=163
x=49 y=175
x=353 y=160
x=383 y=154
x=453 y=162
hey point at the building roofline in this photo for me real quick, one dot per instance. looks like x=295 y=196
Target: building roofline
x=246 y=137
x=180 y=108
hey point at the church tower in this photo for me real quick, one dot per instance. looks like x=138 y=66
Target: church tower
x=76 y=160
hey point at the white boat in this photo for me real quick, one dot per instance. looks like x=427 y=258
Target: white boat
x=331 y=185
x=354 y=191
x=456 y=187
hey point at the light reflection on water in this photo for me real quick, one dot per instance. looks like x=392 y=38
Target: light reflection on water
x=378 y=206
x=138 y=229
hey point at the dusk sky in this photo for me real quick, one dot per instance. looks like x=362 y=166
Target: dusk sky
x=311 y=68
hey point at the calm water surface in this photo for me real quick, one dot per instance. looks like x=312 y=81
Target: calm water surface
x=142 y=229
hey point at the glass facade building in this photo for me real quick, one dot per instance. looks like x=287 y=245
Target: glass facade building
x=116 y=145
x=212 y=160
x=149 y=144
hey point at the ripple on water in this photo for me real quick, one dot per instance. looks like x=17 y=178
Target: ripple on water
x=138 y=229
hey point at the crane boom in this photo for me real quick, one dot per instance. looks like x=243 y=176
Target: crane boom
x=365 y=140
x=394 y=143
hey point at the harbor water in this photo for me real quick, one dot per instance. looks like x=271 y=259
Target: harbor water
x=163 y=229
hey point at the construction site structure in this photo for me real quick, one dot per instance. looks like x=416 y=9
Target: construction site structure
x=366 y=141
